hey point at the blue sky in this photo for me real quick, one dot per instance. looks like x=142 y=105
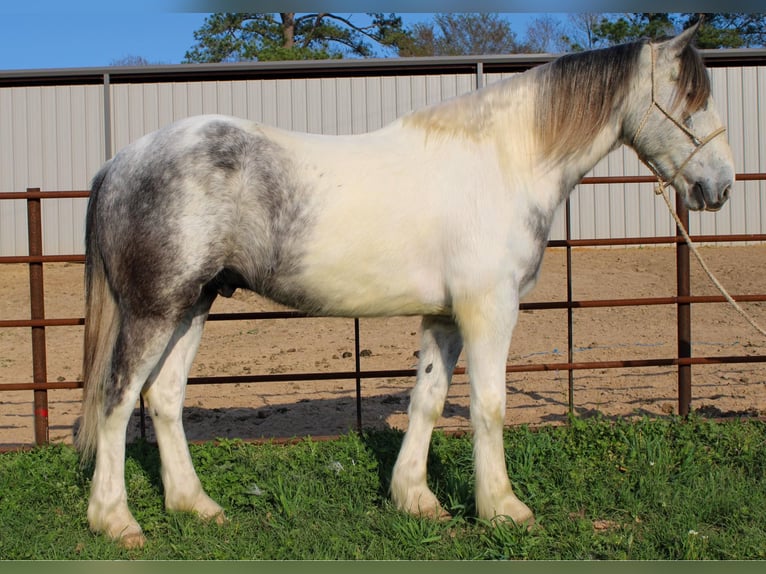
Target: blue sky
x=75 y=39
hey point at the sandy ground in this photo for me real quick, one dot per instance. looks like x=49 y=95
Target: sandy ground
x=257 y=410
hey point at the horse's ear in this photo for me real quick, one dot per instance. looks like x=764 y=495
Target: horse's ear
x=678 y=44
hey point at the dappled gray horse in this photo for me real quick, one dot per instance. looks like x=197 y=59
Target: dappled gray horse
x=444 y=213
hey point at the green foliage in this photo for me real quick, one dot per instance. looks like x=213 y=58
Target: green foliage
x=232 y=37
x=632 y=27
x=722 y=30
x=653 y=489
x=731 y=30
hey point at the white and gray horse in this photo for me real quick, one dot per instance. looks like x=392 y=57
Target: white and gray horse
x=445 y=213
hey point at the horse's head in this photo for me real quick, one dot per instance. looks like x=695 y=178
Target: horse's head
x=675 y=128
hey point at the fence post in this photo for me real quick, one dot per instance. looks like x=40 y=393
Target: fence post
x=570 y=310
x=683 y=312
x=37 y=312
x=357 y=371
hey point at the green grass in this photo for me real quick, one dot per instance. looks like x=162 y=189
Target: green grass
x=653 y=489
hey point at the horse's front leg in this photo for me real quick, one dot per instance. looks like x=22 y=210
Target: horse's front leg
x=439 y=350
x=486 y=323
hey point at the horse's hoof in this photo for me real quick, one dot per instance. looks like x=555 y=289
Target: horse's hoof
x=435 y=513
x=527 y=521
x=132 y=540
x=220 y=519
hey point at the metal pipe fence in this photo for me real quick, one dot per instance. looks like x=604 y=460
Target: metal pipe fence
x=683 y=360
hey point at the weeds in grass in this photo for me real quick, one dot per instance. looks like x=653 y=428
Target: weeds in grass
x=653 y=489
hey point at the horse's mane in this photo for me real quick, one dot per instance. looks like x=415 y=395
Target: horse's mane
x=572 y=98
x=577 y=93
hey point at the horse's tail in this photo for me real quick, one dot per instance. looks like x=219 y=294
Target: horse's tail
x=101 y=328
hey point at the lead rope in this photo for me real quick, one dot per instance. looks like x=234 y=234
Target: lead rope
x=661 y=189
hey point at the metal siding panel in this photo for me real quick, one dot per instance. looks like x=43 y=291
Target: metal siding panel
x=403 y=96
x=150 y=109
x=389 y=102
x=314 y=105
x=180 y=100
x=50 y=155
x=374 y=103
x=600 y=199
x=492 y=77
x=269 y=102
x=558 y=227
x=239 y=99
x=630 y=196
x=329 y=106
x=136 y=105
x=417 y=92
x=359 y=105
x=119 y=103
x=343 y=118
x=69 y=226
x=760 y=113
x=448 y=86
x=284 y=104
x=12 y=213
x=298 y=105
x=574 y=212
x=615 y=195
x=223 y=99
x=736 y=209
x=465 y=83
x=255 y=101
x=750 y=158
x=433 y=90
x=57 y=237
x=165 y=113
x=196 y=99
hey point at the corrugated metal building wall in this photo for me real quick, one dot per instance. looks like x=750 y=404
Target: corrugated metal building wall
x=57 y=128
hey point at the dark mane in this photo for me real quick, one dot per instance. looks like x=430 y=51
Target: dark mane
x=577 y=93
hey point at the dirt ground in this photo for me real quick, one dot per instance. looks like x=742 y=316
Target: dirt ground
x=256 y=410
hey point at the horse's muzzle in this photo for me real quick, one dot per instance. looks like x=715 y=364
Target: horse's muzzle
x=709 y=195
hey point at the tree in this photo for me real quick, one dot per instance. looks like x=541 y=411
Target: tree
x=546 y=34
x=724 y=30
x=729 y=30
x=453 y=34
x=582 y=32
x=232 y=37
x=631 y=27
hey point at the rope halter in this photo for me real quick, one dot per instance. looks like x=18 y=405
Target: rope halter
x=699 y=143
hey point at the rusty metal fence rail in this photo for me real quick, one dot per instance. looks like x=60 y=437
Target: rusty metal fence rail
x=683 y=300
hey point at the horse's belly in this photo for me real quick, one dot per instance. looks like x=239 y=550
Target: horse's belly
x=359 y=290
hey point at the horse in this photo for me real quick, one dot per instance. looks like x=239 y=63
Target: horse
x=444 y=213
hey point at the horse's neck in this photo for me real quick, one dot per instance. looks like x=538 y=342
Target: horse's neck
x=574 y=168
x=552 y=178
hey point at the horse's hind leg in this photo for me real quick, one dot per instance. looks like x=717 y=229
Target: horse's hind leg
x=140 y=344
x=440 y=348
x=164 y=394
